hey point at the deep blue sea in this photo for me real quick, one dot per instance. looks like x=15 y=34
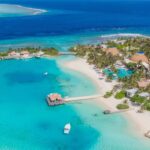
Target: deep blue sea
x=26 y=122
x=74 y=21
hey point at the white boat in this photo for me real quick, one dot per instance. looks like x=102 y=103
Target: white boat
x=46 y=73
x=67 y=128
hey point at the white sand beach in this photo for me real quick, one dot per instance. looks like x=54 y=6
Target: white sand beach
x=139 y=121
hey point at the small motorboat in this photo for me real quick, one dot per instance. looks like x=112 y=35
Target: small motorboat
x=67 y=128
x=46 y=73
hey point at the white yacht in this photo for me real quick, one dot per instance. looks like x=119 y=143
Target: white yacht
x=67 y=128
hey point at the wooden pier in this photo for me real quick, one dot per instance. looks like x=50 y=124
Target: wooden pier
x=66 y=53
x=69 y=99
x=73 y=99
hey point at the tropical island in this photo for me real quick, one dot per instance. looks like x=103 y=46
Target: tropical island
x=121 y=68
x=28 y=52
x=125 y=61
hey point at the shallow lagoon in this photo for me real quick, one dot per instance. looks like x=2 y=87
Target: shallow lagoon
x=28 y=123
x=26 y=120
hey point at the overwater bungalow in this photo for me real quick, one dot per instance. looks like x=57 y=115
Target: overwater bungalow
x=54 y=99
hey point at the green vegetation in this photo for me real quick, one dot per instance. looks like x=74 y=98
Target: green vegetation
x=131 y=45
x=138 y=99
x=51 y=51
x=108 y=94
x=31 y=50
x=131 y=65
x=120 y=95
x=3 y=54
x=95 y=55
x=131 y=81
x=147 y=105
x=147 y=89
x=122 y=106
x=127 y=46
x=80 y=50
x=47 y=51
x=138 y=44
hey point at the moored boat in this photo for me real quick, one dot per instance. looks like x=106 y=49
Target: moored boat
x=67 y=128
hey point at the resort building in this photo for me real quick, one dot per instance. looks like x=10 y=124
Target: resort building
x=143 y=83
x=54 y=99
x=103 y=46
x=114 y=51
x=120 y=41
x=24 y=54
x=131 y=92
x=144 y=94
x=13 y=54
x=55 y=96
x=139 y=57
x=40 y=53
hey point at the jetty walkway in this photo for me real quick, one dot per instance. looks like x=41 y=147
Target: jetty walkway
x=81 y=98
x=66 y=53
x=72 y=99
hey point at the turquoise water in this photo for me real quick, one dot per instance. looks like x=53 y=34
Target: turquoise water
x=124 y=73
x=28 y=123
x=61 y=42
x=26 y=120
x=121 y=73
x=116 y=133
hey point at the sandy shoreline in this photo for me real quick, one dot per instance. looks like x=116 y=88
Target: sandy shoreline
x=16 y=9
x=140 y=122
